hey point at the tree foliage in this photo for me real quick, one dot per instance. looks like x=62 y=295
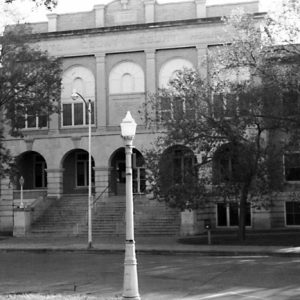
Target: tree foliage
x=49 y=4
x=30 y=82
x=240 y=120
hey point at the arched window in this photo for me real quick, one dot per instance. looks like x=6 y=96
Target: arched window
x=175 y=106
x=126 y=78
x=169 y=69
x=74 y=112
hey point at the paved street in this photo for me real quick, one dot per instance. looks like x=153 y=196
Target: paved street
x=160 y=277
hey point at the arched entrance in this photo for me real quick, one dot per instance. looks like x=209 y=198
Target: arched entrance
x=118 y=172
x=32 y=166
x=76 y=172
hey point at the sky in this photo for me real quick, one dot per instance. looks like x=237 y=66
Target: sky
x=29 y=13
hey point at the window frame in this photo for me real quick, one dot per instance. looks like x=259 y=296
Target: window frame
x=228 y=221
x=84 y=113
x=285 y=214
x=284 y=167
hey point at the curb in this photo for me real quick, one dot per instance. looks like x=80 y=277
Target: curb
x=156 y=252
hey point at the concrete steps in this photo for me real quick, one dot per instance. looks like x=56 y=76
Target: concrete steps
x=68 y=216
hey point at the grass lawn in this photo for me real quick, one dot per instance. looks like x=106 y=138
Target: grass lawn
x=289 y=238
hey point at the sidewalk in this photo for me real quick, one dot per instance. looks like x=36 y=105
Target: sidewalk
x=151 y=245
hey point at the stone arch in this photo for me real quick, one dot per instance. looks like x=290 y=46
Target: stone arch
x=169 y=69
x=32 y=166
x=126 y=77
x=75 y=171
x=117 y=172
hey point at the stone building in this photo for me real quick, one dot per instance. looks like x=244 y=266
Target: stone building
x=113 y=55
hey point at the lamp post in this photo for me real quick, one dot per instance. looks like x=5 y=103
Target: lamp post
x=75 y=96
x=21 y=181
x=130 y=285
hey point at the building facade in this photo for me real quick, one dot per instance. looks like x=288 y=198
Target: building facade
x=114 y=55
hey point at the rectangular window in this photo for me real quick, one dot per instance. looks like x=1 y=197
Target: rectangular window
x=32 y=120
x=76 y=114
x=165 y=109
x=40 y=174
x=292 y=166
x=292 y=213
x=81 y=173
x=82 y=170
x=67 y=114
x=228 y=215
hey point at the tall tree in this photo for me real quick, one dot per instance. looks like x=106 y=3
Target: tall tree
x=30 y=84
x=233 y=119
x=49 y=4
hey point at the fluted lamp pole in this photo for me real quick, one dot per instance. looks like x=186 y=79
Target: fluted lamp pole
x=130 y=285
x=75 y=96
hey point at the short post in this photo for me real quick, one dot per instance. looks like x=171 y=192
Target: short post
x=207 y=225
x=21 y=181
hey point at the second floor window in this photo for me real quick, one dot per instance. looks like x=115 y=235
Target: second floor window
x=75 y=113
x=33 y=120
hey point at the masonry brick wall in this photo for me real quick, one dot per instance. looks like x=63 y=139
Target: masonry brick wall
x=175 y=11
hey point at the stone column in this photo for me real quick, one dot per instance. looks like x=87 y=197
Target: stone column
x=150 y=76
x=201 y=8
x=149 y=11
x=102 y=175
x=52 y=22
x=6 y=205
x=101 y=101
x=202 y=60
x=99 y=15
x=55 y=182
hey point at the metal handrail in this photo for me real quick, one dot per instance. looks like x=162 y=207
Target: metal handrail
x=100 y=195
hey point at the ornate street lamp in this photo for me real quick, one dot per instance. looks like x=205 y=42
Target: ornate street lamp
x=88 y=105
x=130 y=285
x=21 y=181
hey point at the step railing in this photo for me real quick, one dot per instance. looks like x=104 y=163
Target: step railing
x=84 y=219
x=98 y=197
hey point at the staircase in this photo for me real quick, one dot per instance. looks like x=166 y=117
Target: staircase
x=62 y=217
x=68 y=216
x=150 y=217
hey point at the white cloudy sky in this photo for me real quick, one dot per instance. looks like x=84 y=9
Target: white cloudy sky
x=26 y=11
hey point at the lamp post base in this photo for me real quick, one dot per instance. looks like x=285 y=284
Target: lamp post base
x=130 y=290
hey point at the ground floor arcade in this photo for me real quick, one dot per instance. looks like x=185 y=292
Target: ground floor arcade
x=54 y=167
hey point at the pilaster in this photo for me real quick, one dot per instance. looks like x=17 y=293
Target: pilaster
x=101 y=103
x=201 y=8
x=52 y=22
x=54 y=123
x=99 y=15
x=149 y=11
x=55 y=182
x=202 y=60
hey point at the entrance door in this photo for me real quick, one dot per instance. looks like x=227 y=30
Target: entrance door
x=118 y=172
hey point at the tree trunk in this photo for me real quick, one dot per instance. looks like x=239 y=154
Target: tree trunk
x=243 y=211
